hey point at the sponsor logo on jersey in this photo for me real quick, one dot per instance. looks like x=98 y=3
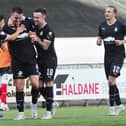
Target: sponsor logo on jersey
x=109 y=40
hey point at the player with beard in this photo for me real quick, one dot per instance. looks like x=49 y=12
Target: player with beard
x=47 y=59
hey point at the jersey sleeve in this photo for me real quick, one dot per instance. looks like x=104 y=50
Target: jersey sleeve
x=8 y=30
x=50 y=36
x=29 y=24
x=99 y=31
x=3 y=36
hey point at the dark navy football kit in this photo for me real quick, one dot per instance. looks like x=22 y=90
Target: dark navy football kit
x=114 y=55
x=22 y=51
x=47 y=59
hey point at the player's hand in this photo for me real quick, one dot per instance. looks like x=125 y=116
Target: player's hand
x=33 y=37
x=20 y=29
x=119 y=42
x=99 y=41
x=31 y=34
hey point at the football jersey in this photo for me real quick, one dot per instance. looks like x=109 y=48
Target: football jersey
x=21 y=48
x=3 y=36
x=110 y=33
x=46 y=33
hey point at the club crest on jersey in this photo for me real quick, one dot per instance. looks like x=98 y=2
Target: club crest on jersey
x=41 y=33
x=33 y=27
x=50 y=33
x=116 y=29
x=103 y=29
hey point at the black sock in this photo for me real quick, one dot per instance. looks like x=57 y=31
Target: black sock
x=49 y=98
x=43 y=92
x=111 y=95
x=20 y=101
x=117 y=96
x=35 y=94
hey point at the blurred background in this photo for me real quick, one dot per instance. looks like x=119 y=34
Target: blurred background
x=69 y=18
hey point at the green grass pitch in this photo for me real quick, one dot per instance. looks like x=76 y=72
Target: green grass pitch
x=68 y=116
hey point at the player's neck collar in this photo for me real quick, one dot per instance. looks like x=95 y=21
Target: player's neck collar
x=112 y=22
x=44 y=25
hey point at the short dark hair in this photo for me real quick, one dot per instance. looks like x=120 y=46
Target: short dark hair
x=114 y=8
x=41 y=10
x=19 y=10
x=1 y=17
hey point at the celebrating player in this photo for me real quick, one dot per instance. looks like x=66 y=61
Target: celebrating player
x=24 y=63
x=47 y=59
